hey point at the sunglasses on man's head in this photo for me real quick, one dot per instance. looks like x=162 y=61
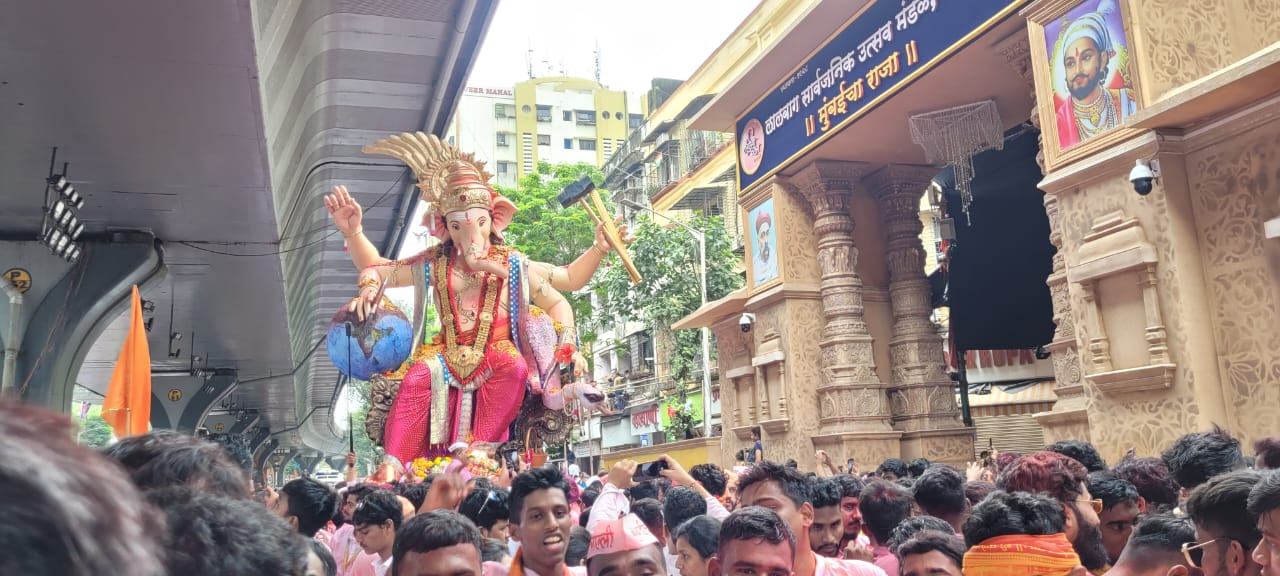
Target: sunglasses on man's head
x=1193 y=552
x=492 y=497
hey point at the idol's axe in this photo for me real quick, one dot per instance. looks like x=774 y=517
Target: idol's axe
x=578 y=192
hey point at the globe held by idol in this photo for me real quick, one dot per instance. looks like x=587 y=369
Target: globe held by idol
x=380 y=344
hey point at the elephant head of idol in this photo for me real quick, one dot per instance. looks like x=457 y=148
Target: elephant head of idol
x=471 y=216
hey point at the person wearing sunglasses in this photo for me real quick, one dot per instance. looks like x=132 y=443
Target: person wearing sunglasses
x=1065 y=480
x=1226 y=533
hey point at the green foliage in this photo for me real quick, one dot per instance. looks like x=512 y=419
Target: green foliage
x=94 y=431
x=367 y=455
x=681 y=425
x=546 y=232
x=667 y=258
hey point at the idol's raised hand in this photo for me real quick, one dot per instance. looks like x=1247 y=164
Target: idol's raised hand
x=345 y=211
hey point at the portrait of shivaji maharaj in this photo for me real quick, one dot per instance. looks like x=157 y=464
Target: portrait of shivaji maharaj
x=1089 y=58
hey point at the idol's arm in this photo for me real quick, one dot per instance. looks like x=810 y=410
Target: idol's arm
x=575 y=276
x=546 y=297
x=544 y=294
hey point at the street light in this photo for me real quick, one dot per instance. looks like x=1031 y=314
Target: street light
x=706 y=332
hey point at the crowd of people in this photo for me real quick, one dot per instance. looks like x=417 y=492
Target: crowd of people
x=170 y=503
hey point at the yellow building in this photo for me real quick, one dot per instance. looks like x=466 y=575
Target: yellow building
x=554 y=119
x=580 y=119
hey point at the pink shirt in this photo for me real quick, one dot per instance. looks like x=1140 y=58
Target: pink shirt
x=345 y=549
x=363 y=565
x=838 y=567
x=885 y=559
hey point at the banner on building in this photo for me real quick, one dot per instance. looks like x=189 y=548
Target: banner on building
x=881 y=50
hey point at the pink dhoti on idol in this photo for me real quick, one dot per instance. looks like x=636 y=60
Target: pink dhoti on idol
x=468 y=385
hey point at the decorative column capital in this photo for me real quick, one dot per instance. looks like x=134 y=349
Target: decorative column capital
x=823 y=178
x=1017 y=54
x=896 y=179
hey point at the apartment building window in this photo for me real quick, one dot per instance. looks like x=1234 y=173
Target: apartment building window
x=585 y=117
x=568 y=115
x=504 y=140
x=586 y=143
x=501 y=111
x=544 y=139
x=544 y=113
x=635 y=120
x=568 y=143
x=505 y=167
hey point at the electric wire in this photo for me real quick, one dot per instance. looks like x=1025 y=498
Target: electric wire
x=196 y=244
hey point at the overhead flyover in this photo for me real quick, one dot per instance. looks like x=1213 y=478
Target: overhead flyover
x=203 y=134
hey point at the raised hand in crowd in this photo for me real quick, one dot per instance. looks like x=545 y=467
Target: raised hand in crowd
x=446 y=493
x=622 y=473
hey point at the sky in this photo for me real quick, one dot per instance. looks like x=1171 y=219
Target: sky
x=638 y=41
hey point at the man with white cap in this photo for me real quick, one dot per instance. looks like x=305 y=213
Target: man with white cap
x=613 y=501
x=1088 y=53
x=624 y=547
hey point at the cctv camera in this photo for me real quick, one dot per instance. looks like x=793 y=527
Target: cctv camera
x=1143 y=177
x=746 y=321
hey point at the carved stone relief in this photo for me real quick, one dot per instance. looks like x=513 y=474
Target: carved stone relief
x=1077 y=212
x=1184 y=41
x=1235 y=187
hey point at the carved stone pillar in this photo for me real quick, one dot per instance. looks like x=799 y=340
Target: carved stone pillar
x=921 y=395
x=1068 y=420
x=851 y=397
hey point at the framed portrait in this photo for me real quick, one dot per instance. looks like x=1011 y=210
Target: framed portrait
x=763 y=260
x=1086 y=87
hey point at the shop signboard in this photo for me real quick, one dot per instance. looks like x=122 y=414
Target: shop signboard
x=983 y=366
x=882 y=49
x=644 y=420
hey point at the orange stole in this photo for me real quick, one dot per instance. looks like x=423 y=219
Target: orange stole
x=1021 y=555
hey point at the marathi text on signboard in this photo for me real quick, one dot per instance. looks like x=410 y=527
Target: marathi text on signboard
x=880 y=51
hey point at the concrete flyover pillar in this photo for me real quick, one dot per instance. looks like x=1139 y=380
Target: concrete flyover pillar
x=181 y=402
x=853 y=409
x=921 y=396
x=69 y=319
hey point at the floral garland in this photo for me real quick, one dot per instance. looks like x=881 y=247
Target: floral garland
x=423 y=467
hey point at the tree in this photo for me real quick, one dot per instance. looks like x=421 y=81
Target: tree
x=94 y=431
x=667 y=259
x=545 y=231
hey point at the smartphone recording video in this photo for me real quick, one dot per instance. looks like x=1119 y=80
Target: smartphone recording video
x=649 y=470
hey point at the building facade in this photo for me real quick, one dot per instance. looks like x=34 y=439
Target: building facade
x=1158 y=130
x=554 y=119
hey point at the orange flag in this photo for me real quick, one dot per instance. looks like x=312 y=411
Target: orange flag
x=127 y=407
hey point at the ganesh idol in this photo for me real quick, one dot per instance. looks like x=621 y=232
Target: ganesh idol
x=506 y=330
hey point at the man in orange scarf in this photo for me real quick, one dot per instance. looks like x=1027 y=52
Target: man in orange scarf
x=1019 y=534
